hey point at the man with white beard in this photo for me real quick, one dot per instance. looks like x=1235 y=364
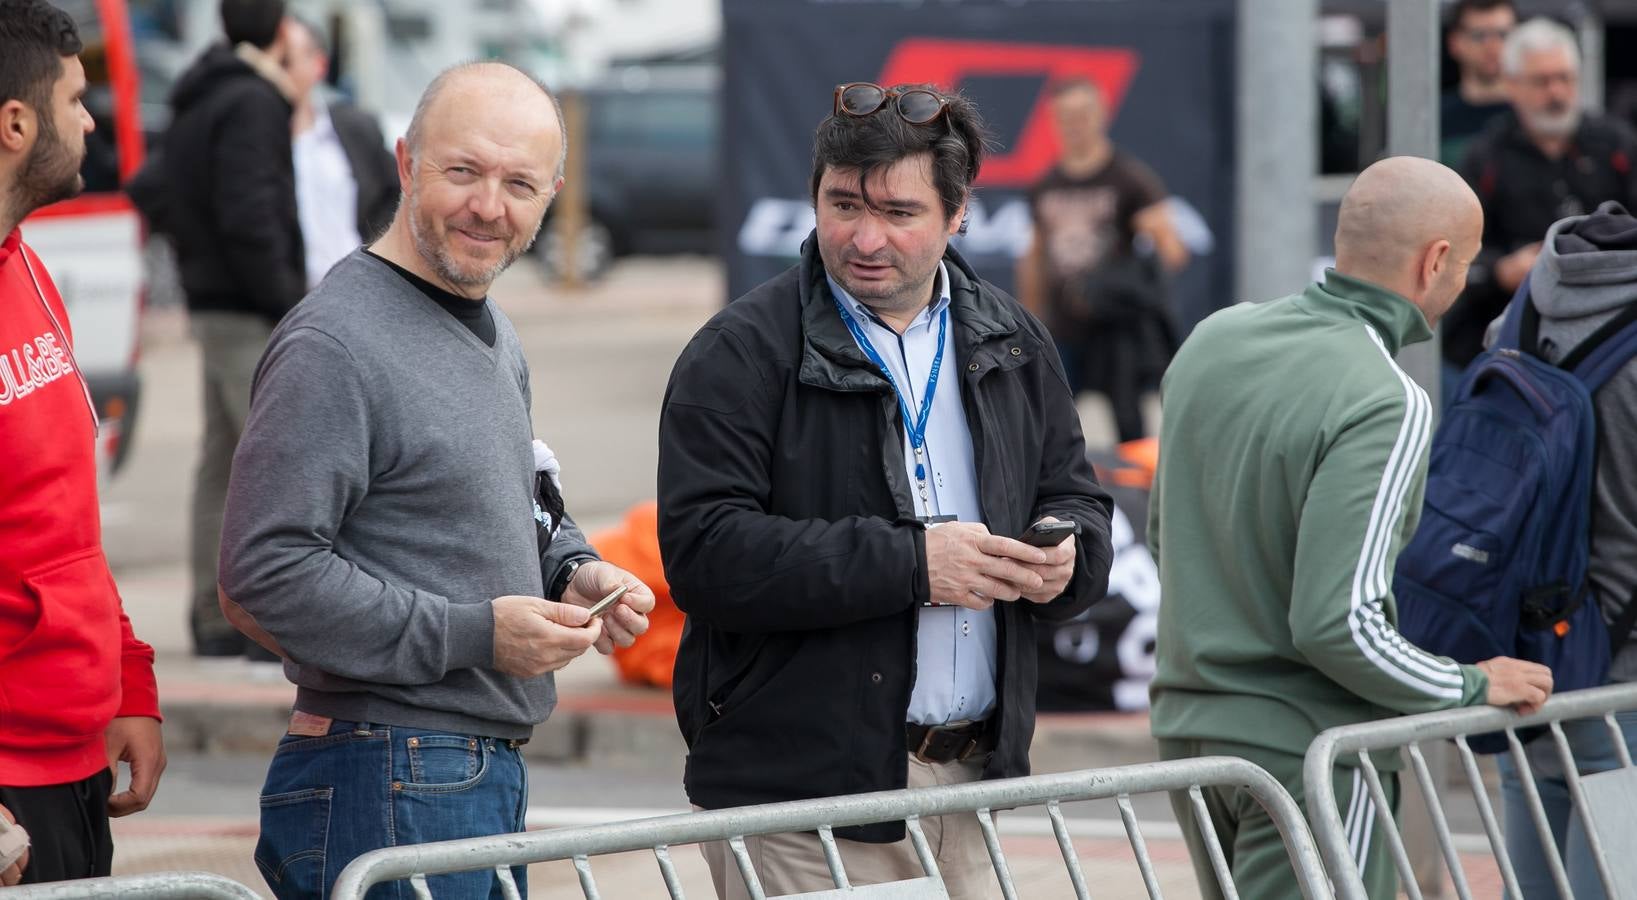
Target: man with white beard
x=1546 y=160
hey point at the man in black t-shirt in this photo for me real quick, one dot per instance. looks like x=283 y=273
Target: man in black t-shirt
x=1477 y=31
x=1103 y=241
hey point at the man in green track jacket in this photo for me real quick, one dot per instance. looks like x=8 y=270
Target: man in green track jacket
x=1292 y=461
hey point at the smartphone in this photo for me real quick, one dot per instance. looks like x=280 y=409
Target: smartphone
x=1049 y=534
x=607 y=603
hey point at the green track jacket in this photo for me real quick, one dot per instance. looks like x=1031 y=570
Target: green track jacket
x=1293 y=458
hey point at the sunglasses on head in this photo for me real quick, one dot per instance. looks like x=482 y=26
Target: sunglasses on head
x=917 y=106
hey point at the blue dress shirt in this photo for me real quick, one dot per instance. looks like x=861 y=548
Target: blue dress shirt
x=956 y=646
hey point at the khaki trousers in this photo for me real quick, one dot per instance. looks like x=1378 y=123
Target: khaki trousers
x=794 y=863
x=230 y=346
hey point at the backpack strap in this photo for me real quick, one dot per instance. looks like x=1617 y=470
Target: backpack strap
x=1606 y=352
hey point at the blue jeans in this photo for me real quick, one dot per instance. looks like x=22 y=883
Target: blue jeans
x=361 y=787
x=1594 y=751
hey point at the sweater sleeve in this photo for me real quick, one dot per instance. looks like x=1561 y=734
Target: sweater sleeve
x=302 y=464
x=1342 y=616
x=567 y=546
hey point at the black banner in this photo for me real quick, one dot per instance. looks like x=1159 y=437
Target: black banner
x=1104 y=658
x=1165 y=66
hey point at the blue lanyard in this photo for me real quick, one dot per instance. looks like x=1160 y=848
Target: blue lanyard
x=914 y=425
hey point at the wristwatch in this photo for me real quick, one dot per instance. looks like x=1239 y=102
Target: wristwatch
x=565 y=576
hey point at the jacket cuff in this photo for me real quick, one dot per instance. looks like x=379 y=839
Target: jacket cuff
x=139 y=690
x=1475 y=691
x=921 y=584
x=471 y=636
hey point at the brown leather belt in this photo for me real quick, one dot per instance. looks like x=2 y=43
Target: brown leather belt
x=949 y=743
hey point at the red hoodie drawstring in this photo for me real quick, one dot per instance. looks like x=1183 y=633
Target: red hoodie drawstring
x=62 y=335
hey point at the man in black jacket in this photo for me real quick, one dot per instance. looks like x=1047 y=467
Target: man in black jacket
x=1545 y=160
x=230 y=205
x=846 y=454
x=346 y=180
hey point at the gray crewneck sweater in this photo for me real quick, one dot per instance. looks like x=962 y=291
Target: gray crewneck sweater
x=380 y=499
x=1576 y=293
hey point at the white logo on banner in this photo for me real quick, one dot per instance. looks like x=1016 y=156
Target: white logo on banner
x=776 y=226
x=1134 y=577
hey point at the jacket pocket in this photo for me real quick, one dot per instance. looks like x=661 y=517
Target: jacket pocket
x=725 y=678
x=62 y=679
x=19 y=617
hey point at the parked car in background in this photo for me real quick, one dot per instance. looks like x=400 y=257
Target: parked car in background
x=650 y=155
x=92 y=244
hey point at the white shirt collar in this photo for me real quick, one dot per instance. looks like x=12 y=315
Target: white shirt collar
x=323 y=126
x=857 y=308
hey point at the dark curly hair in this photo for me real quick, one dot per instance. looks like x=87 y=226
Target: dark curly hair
x=34 y=38
x=877 y=141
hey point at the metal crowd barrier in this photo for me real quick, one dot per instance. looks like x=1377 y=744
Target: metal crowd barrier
x=1409 y=732
x=825 y=815
x=158 y=886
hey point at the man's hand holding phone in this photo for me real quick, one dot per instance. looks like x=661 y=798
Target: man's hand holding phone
x=1057 y=538
x=624 y=615
x=967 y=566
x=534 y=636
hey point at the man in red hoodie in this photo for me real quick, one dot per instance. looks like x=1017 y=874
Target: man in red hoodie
x=77 y=691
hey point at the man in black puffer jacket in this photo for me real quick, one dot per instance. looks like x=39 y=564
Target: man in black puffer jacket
x=230 y=205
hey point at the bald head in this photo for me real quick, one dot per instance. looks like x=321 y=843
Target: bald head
x=1412 y=226
x=1398 y=206
x=486 y=87
x=479 y=166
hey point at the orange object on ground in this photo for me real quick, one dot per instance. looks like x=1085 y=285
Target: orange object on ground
x=1130 y=465
x=633 y=545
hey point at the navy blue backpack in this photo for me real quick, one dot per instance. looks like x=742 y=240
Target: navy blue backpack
x=1498 y=565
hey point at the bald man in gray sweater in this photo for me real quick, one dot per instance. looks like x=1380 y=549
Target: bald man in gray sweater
x=381 y=532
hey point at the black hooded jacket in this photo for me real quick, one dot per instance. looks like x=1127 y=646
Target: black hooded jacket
x=229 y=180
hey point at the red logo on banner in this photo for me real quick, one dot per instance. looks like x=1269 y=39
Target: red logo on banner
x=947 y=63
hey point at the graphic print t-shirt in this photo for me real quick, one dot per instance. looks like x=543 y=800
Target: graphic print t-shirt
x=1083 y=221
